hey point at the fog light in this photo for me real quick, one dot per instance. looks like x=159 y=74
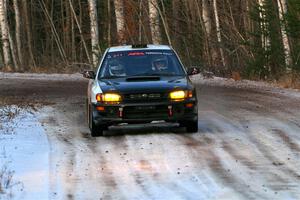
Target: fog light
x=100 y=108
x=189 y=105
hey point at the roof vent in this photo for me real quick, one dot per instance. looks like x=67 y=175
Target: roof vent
x=137 y=46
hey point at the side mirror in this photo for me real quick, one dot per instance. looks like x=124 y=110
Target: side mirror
x=193 y=71
x=89 y=74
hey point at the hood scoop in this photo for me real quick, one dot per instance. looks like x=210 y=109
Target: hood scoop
x=143 y=78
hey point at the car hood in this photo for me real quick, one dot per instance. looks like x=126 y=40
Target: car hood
x=145 y=84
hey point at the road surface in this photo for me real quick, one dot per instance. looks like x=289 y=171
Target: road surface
x=247 y=147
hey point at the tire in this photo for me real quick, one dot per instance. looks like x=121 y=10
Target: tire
x=96 y=130
x=191 y=126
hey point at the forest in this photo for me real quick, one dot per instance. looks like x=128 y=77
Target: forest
x=257 y=39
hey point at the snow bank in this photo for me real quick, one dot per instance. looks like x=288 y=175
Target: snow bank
x=247 y=84
x=24 y=156
x=42 y=76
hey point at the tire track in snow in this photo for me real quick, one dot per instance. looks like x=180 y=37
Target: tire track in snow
x=203 y=149
x=287 y=140
x=278 y=165
x=148 y=164
x=231 y=150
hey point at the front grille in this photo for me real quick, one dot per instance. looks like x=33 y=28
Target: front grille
x=142 y=97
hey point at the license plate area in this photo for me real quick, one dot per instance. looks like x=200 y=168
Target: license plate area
x=144 y=108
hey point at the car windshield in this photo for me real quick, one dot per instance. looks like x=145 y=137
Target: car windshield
x=141 y=63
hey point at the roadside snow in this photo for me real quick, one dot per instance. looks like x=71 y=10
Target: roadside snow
x=230 y=83
x=42 y=76
x=23 y=157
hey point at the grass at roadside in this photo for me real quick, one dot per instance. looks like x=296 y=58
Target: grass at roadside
x=289 y=81
x=7 y=114
x=7 y=182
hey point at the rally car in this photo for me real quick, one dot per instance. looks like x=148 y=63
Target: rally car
x=140 y=84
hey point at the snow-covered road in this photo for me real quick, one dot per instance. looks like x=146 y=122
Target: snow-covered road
x=247 y=147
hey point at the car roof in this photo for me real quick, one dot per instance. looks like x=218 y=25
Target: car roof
x=130 y=48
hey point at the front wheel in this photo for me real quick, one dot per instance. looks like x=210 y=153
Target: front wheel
x=96 y=130
x=191 y=126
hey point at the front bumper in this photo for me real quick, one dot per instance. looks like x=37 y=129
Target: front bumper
x=145 y=112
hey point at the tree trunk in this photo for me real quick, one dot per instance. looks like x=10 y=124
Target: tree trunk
x=73 y=43
x=54 y=31
x=28 y=33
x=13 y=51
x=4 y=34
x=68 y=24
x=175 y=22
x=94 y=31
x=282 y=9
x=165 y=24
x=80 y=31
x=108 y=23
x=18 y=32
x=140 y=21
x=218 y=31
x=154 y=21
x=120 y=20
x=211 y=53
x=265 y=40
x=206 y=17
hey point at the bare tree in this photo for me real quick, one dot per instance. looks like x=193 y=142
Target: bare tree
x=219 y=37
x=206 y=17
x=13 y=51
x=4 y=33
x=240 y=35
x=120 y=20
x=94 y=30
x=154 y=21
x=265 y=40
x=28 y=33
x=54 y=31
x=206 y=23
x=175 y=20
x=282 y=10
x=18 y=31
x=164 y=21
x=108 y=23
x=80 y=31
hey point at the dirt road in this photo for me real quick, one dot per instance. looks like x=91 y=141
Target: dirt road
x=247 y=147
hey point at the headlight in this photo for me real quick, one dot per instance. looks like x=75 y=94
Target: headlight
x=109 y=97
x=180 y=95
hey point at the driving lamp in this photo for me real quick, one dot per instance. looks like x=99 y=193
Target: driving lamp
x=178 y=95
x=108 y=97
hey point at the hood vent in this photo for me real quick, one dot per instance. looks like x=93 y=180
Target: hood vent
x=143 y=78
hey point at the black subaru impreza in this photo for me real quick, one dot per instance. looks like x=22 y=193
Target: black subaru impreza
x=140 y=84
